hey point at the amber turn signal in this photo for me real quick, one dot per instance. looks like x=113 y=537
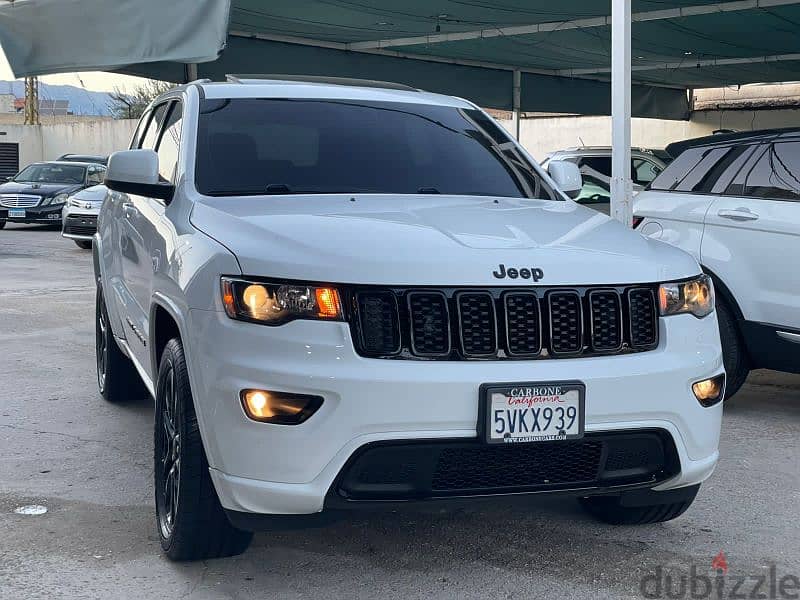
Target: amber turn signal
x=709 y=391
x=328 y=305
x=280 y=408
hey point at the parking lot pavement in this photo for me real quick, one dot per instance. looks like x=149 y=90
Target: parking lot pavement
x=89 y=464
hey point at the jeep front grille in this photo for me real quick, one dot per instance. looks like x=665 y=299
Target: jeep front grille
x=494 y=323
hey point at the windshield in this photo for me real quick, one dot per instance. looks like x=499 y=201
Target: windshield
x=52 y=174
x=311 y=146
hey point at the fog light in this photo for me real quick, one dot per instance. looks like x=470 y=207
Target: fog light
x=280 y=408
x=709 y=391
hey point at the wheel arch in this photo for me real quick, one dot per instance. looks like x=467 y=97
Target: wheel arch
x=723 y=290
x=165 y=324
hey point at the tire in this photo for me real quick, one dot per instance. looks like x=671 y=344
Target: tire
x=734 y=354
x=117 y=378
x=189 y=517
x=610 y=509
x=83 y=244
x=2 y=224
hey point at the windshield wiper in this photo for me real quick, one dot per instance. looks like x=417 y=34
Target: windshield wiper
x=428 y=190
x=278 y=188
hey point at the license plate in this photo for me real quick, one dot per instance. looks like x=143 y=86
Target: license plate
x=532 y=412
x=16 y=213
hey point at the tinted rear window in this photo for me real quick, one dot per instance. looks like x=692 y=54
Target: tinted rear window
x=258 y=146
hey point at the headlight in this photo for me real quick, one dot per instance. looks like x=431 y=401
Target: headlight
x=695 y=296
x=71 y=201
x=277 y=303
x=57 y=199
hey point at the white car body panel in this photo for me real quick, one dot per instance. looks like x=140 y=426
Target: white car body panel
x=757 y=255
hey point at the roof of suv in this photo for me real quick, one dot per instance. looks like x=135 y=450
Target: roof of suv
x=726 y=138
x=253 y=86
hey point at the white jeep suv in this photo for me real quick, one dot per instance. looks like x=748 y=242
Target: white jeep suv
x=349 y=295
x=733 y=202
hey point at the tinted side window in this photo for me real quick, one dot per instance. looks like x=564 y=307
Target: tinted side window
x=776 y=175
x=96 y=175
x=599 y=164
x=694 y=179
x=140 y=129
x=644 y=171
x=170 y=144
x=733 y=165
x=150 y=138
x=678 y=169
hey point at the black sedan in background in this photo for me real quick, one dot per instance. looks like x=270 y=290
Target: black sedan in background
x=38 y=192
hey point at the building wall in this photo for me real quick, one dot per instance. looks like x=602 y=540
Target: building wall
x=542 y=135
x=7 y=103
x=48 y=142
x=88 y=137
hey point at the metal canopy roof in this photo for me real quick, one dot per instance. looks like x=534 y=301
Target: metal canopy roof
x=470 y=47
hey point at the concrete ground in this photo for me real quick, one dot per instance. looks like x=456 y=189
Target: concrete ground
x=89 y=463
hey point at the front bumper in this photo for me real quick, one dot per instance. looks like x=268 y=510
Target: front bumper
x=37 y=214
x=275 y=469
x=78 y=225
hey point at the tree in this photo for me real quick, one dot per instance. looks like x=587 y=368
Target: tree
x=131 y=106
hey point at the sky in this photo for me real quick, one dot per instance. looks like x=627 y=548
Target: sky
x=90 y=80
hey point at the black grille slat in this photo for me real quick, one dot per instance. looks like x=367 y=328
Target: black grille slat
x=642 y=318
x=605 y=314
x=566 y=322
x=523 y=323
x=430 y=323
x=477 y=323
x=379 y=323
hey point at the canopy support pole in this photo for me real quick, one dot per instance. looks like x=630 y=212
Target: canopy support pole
x=621 y=184
x=517 y=102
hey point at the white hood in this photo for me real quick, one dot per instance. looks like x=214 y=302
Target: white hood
x=433 y=240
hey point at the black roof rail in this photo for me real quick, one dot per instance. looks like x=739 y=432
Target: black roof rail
x=348 y=81
x=718 y=139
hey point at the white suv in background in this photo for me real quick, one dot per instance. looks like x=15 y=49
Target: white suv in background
x=350 y=295
x=733 y=201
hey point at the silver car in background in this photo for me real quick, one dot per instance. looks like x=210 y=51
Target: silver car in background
x=79 y=215
x=595 y=166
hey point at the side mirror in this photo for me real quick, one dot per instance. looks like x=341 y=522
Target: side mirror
x=567 y=176
x=136 y=172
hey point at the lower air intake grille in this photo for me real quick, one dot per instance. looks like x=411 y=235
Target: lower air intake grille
x=487 y=467
x=423 y=469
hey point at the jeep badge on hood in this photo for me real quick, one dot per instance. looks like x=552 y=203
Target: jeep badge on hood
x=524 y=273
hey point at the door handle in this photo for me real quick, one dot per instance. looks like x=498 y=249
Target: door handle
x=129 y=210
x=739 y=214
